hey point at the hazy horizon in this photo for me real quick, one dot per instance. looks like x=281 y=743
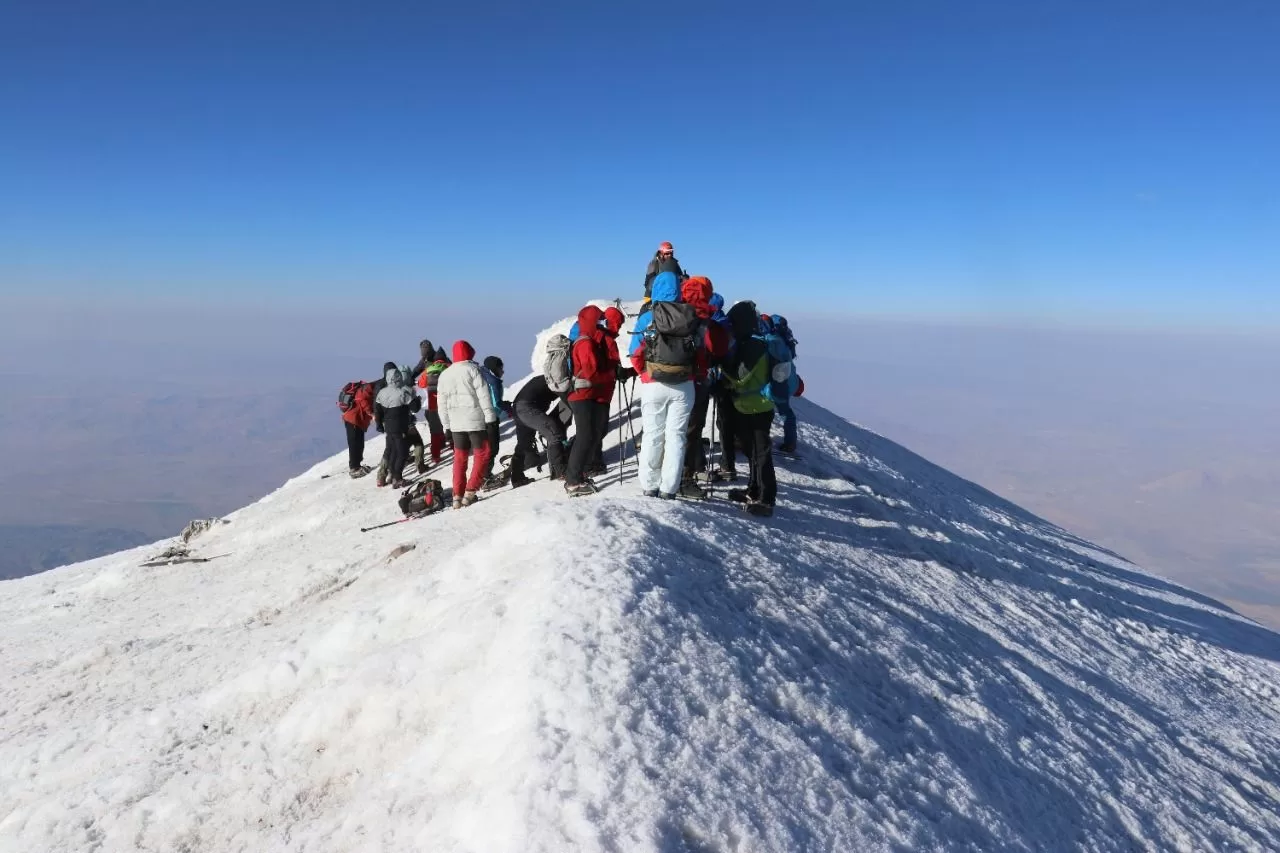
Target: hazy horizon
x=1156 y=444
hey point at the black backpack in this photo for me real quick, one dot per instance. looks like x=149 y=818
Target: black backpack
x=422 y=498
x=671 y=342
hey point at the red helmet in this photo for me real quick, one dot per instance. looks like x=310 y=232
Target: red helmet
x=666 y=247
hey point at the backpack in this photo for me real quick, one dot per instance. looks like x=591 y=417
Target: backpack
x=783 y=380
x=422 y=498
x=557 y=368
x=671 y=342
x=347 y=396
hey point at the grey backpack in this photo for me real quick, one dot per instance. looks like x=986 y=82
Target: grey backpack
x=557 y=368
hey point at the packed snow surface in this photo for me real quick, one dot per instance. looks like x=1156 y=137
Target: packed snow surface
x=897 y=660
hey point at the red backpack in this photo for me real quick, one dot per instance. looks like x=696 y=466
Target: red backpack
x=347 y=396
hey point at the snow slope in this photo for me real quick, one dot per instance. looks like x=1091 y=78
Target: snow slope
x=898 y=660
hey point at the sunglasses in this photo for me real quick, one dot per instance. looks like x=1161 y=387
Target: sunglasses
x=666 y=254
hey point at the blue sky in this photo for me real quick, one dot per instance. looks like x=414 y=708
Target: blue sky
x=1091 y=163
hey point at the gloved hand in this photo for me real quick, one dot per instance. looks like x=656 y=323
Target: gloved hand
x=448 y=438
x=626 y=374
x=378 y=427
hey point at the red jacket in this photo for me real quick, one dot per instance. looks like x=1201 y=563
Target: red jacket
x=361 y=414
x=595 y=364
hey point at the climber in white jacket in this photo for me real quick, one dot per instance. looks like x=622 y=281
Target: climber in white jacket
x=465 y=407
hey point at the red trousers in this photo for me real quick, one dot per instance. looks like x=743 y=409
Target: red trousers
x=466 y=445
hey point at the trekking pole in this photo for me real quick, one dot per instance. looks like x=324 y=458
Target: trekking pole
x=622 y=436
x=387 y=524
x=631 y=427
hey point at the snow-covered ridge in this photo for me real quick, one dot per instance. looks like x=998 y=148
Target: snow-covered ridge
x=897 y=660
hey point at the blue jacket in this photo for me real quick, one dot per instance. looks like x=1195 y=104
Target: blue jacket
x=495 y=390
x=666 y=288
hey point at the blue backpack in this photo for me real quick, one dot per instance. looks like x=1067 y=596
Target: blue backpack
x=783 y=380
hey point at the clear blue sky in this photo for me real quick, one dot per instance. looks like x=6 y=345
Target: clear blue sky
x=1081 y=162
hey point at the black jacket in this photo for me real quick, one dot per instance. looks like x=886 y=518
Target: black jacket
x=536 y=394
x=397 y=420
x=658 y=265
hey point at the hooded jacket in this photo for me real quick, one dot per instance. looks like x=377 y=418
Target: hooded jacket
x=698 y=292
x=382 y=382
x=489 y=370
x=747 y=370
x=712 y=341
x=395 y=404
x=613 y=319
x=595 y=369
x=463 y=396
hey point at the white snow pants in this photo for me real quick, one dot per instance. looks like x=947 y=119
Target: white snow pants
x=664 y=411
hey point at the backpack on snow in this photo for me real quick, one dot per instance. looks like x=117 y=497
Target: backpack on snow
x=422 y=498
x=671 y=342
x=347 y=396
x=557 y=368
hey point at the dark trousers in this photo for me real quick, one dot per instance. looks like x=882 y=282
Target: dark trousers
x=753 y=432
x=695 y=455
x=592 y=419
x=415 y=443
x=529 y=423
x=355 y=445
x=728 y=427
x=597 y=456
x=397 y=453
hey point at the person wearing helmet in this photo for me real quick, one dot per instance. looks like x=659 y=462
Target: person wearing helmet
x=664 y=260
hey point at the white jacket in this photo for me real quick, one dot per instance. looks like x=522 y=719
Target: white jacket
x=463 y=399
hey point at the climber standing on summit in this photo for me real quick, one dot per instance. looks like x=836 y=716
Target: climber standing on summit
x=664 y=352
x=664 y=260
x=595 y=372
x=466 y=409
x=747 y=375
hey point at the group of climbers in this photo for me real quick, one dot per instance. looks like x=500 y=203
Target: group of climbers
x=690 y=355
x=463 y=404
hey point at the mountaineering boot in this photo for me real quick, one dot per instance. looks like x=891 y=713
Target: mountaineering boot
x=690 y=489
x=759 y=509
x=666 y=496
x=457 y=502
x=469 y=498
x=579 y=489
x=357 y=473
x=725 y=474
x=517 y=482
x=650 y=493
x=738 y=496
x=786 y=448
x=382 y=475
x=398 y=483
